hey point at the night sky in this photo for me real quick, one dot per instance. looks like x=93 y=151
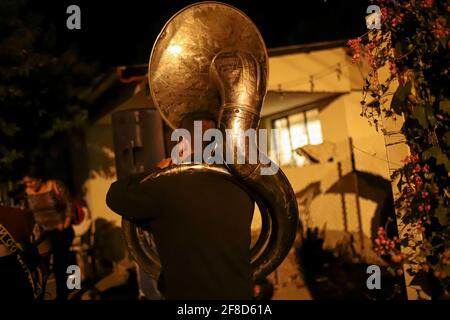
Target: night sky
x=123 y=32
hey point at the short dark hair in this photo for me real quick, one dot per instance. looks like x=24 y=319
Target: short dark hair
x=34 y=171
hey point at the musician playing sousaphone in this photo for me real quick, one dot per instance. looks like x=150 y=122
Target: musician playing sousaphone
x=207 y=70
x=201 y=225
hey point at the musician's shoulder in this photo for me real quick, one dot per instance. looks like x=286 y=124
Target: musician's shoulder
x=146 y=175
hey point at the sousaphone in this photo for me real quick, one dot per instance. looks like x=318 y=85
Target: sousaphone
x=211 y=59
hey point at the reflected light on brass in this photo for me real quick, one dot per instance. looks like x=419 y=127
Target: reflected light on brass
x=175 y=49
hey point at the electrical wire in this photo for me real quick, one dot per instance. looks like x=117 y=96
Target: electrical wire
x=374 y=156
x=337 y=67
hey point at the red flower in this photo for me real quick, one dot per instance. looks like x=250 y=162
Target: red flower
x=427 y=3
x=418 y=181
x=411 y=158
x=370 y=46
x=384 y=14
x=355 y=45
x=392 y=68
x=396 y=258
x=439 y=30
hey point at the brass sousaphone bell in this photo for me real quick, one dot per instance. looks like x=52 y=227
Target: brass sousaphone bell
x=210 y=58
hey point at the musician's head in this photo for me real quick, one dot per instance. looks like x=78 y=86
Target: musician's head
x=33 y=176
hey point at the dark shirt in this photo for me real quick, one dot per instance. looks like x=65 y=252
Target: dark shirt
x=14 y=283
x=18 y=222
x=201 y=223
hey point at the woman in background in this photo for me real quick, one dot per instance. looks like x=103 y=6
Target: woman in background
x=50 y=203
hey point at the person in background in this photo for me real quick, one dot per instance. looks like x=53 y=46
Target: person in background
x=50 y=203
x=21 y=269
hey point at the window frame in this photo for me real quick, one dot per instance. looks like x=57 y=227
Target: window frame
x=286 y=115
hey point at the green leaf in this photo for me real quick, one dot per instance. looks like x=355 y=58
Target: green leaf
x=400 y=97
x=8 y=129
x=398 y=48
x=441 y=158
x=400 y=182
x=447 y=138
x=441 y=213
x=446 y=269
x=9 y=157
x=374 y=103
x=445 y=106
x=420 y=114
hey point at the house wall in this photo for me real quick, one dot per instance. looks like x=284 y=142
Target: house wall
x=369 y=144
x=101 y=171
x=292 y=72
x=340 y=120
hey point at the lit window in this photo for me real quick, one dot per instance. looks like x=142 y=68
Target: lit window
x=292 y=132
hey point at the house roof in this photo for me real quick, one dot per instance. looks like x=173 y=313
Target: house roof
x=303 y=48
x=115 y=87
x=120 y=83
